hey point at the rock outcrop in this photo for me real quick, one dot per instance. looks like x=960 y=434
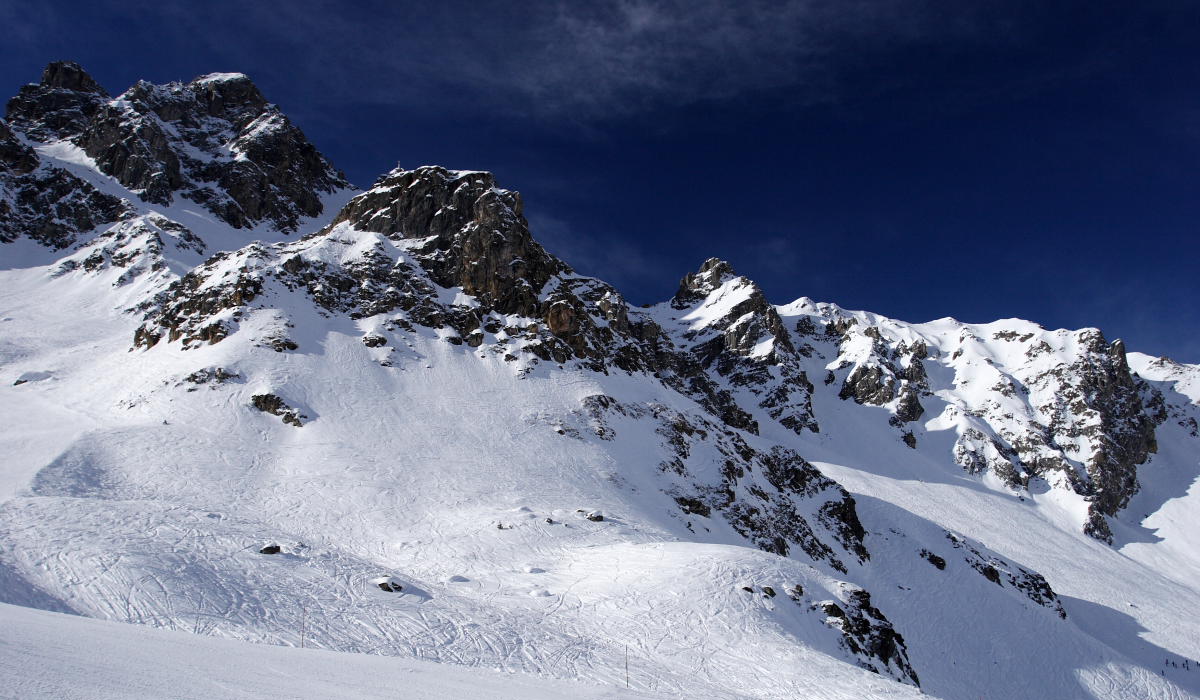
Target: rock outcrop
x=60 y=106
x=215 y=141
x=46 y=203
x=726 y=325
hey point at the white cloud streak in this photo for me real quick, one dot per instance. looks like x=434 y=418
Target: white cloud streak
x=576 y=60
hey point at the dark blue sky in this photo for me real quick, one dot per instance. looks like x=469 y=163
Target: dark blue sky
x=919 y=159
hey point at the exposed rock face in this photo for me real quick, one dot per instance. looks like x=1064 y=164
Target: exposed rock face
x=1102 y=407
x=1088 y=423
x=869 y=636
x=868 y=384
x=880 y=373
x=160 y=140
x=15 y=157
x=53 y=207
x=1028 y=583
x=67 y=75
x=45 y=203
x=270 y=403
x=215 y=141
x=58 y=107
x=909 y=408
x=473 y=235
x=1057 y=406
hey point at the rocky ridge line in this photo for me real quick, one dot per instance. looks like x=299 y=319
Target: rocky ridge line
x=215 y=141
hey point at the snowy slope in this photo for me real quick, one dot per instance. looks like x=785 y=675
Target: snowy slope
x=102 y=661
x=735 y=499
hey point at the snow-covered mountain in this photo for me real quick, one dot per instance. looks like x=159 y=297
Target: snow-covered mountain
x=244 y=400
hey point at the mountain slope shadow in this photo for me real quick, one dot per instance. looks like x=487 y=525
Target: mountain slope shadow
x=1121 y=631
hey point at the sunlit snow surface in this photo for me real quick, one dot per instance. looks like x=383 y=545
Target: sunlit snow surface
x=130 y=494
x=107 y=661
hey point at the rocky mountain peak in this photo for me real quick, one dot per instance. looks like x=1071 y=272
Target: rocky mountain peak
x=473 y=234
x=231 y=96
x=68 y=75
x=697 y=285
x=59 y=106
x=216 y=141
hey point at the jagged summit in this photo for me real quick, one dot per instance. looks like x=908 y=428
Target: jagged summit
x=215 y=141
x=474 y=235
x=695 y=286
x=59 y=106
x=68 y=75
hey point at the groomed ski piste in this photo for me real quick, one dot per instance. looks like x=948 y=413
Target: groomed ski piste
x=519 y=532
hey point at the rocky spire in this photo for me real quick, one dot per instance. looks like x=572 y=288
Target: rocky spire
x=477 y=237
x=744 y=340
x=60 y=106
x=695 y=286
x=68 y=75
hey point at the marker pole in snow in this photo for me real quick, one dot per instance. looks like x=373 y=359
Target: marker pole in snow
x=626 y=665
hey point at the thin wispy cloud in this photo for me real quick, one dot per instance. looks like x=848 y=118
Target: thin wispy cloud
x=576 y=60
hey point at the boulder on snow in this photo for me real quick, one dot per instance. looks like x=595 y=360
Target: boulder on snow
x=934 y=559
x=269 y=549
x=388 y=584
x=270 y=403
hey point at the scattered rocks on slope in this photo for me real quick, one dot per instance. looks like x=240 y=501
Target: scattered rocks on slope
x=388 y=584
x=761 y=494
x=212 y=376
x=1031 y=584
x=934 y=559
